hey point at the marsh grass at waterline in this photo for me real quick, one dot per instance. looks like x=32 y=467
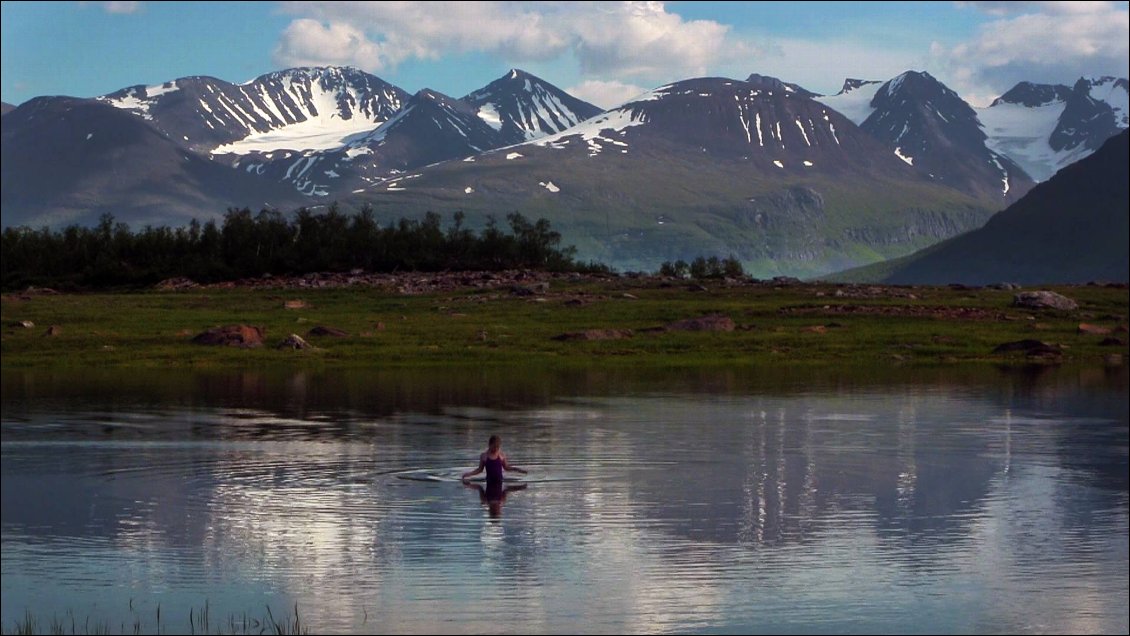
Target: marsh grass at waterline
x=199 y=621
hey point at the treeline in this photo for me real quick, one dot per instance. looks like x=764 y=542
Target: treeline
x=704 y=268
x=247 y=245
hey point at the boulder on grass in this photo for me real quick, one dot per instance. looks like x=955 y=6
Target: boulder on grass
x=244 y=336
x=322 y=330
x=1044 y=300
x=295 y=342
x=702 y=323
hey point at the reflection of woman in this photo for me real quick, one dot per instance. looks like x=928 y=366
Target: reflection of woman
x=494 y=462
x=494 y=495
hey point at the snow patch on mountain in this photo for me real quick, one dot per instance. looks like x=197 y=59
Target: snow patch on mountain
x=1021 y=124
x=1021 y=133
x=615 y=121
x=489 y=114
x=313 y=134
x=1114 y=93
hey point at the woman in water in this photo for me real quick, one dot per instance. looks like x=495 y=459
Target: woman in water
x=494 y=462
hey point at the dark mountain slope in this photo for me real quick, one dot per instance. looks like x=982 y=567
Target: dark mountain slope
x=70 y=160
x=1072 y=228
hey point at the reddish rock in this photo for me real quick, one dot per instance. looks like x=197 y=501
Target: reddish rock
x=703 y=323
x=322 y=330
x=53 y=330
x=1094 y=330
x=815 y=329
x=596 y=334
x=294 y=304
x=244 y=336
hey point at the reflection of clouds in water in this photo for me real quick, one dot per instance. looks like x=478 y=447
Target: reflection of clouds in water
x=840 y=417
x=283 y=517
x=1033 y=530
x=697 y=513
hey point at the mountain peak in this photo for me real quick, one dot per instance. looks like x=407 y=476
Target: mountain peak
x=1102 y=79
x=1095 y=111
x=851 y=84
x=915 y=82
x=430 y=95
x=522 y=107
x=768 y=82
x=929 y=126
x=1032 y=95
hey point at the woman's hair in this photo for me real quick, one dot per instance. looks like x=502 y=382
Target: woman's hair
x=494 y=441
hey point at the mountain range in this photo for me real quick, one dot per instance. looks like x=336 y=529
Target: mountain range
x=1073 y=228
x=789 y=181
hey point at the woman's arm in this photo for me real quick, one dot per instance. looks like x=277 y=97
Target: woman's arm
x=506 y=464
x=471 y=473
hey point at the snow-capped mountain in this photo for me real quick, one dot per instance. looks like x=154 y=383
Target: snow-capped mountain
x=429 y=128
x=521 y=107
x=1034 y=95
x=931 y=128
x=1045 y=127
x=1096 y=110
x=295 y=109
x=727 y=118
x=704 y=166
x=755 y=168
x=68 y=160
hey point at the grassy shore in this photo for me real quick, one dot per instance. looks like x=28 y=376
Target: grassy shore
x=389 y=327
x=198 y=621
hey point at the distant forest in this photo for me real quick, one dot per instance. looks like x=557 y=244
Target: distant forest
x=250 y=245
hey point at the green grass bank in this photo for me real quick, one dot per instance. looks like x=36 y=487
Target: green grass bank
x=423 y=320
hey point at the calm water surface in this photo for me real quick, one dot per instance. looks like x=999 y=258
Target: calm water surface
x=720 y=501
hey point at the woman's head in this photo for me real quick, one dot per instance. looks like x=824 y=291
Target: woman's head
x=494 y=443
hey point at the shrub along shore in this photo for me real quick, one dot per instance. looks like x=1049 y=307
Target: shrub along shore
x=519 y=317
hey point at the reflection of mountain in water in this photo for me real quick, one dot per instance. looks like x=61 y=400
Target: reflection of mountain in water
x=286 y=483
x=791 y=474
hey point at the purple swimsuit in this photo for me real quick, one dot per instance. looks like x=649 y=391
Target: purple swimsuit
x=494 y=468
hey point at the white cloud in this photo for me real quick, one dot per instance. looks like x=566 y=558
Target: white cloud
x=121 y=7
x=1040 y=41
x=310 y=43
x=608 y=40
x=1051 y=8
x=605 y=94
x=806 y=62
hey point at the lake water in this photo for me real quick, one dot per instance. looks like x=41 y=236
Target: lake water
x=738 y=501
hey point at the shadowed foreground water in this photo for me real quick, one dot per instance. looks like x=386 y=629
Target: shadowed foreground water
x=718 y=502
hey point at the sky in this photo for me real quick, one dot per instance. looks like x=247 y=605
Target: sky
x=603 y=52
